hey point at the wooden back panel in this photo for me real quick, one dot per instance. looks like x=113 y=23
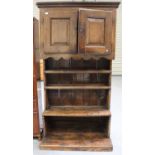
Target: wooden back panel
x=83 y=124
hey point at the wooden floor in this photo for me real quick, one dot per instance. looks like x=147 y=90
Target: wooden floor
x=82 y=141
x=78 y=111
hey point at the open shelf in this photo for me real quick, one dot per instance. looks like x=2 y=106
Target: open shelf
x=82 y=141
x=77 y=86
x=76 y=71
x=77 y=114
x=78 y=78
x=76 y=133
x=79 y=98
x=77 y=64
x=76 y=111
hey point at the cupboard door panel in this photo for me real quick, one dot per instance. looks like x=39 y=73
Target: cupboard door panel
x=95 y=31
x=60 y=31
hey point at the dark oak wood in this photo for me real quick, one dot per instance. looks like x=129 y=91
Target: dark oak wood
x=36 y=128
x=78 y=4
x=36 y=46
x=95 y=31
x=76 y=71
x=79 y=56
x=77 y=45
x=77 y=124
x=77 y=86
x=60 y=31
x=76 y=111
x=76 y=79
x=81 y=141
x=77 y=97
x=64 y=133
x=72 y=31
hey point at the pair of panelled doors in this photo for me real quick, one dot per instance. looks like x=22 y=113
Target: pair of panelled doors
x=73 y=31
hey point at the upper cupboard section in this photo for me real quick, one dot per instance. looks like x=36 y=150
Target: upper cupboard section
x=81 y=30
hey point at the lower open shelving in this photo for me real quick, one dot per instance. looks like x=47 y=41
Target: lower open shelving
x=82 y=141
x=77 y=110
x=76 y=133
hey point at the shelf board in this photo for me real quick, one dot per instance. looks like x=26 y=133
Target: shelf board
x=76 y=71
x=82 y=141
x=76 y=111
x=77 y=86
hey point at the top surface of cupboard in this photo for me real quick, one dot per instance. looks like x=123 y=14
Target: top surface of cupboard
x=75 y=28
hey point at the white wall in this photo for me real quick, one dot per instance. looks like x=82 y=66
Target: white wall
x=117 y=63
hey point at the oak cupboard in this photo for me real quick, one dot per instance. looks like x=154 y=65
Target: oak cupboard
x=77 y=45
x=77 y=29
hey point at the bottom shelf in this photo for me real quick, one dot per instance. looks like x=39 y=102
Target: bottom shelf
x=82 y=141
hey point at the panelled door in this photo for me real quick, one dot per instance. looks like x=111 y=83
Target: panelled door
x=95 y=31
x=60 y=31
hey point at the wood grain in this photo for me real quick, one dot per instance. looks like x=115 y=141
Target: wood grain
x=77 y=78
x=77 y=86
x=82 y=141
x=77 y=124
x=76 y=111
x=77 y=45
x=68 y=46
x=78 y=4
x=95 y=31
x=77 y=98
x=36 y=128
x=76 y=71
x=41 y=69
x=36 y=46
x=77 y=64
x=60 y=31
